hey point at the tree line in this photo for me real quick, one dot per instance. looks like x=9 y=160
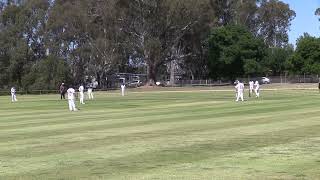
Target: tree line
x=45 y=42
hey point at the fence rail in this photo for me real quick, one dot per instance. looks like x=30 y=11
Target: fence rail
x=274 y=80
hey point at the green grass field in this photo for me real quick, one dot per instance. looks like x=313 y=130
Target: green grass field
x=162 y=135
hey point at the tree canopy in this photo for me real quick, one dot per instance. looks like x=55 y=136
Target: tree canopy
x=234 y=51
x=44 y=42
x=306 y=58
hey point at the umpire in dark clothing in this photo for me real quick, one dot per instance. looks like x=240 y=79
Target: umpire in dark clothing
x=62 y=91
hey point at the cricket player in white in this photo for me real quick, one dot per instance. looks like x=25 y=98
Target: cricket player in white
x=236 y=83
x=71 y=92
x=251 y=87
x=13 y=95
x=257 y=89
x=90 y=93
x=240 y=88
x=81 y=92
x=123 y=87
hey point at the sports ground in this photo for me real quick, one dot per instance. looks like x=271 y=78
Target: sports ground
x=164 y=134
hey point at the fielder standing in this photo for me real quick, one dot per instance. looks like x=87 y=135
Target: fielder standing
x=62 y=90
x=251 y=87
x=71 y=96
x=81 y=92
x=90 y=93
x=123 y=87
x=257 y=89
x=13 y=94
x=239 y=88
x=236 y=83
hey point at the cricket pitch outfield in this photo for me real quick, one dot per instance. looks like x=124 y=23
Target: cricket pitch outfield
x=187 y=134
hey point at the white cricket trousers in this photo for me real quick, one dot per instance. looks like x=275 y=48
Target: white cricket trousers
x=72 y=106
x=90 y=94
x=81 y=98
x=240 y=96
x=122 y=91
x=13 y=97
x=257 y=91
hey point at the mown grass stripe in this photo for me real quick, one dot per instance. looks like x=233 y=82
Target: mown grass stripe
x=193 y=152
x=147 y=133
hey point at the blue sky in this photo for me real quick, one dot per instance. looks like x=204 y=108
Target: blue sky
x=305 y=20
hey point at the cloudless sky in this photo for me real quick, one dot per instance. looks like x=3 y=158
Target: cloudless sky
x=305 y=20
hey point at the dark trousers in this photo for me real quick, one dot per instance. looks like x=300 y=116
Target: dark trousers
x=63 y=96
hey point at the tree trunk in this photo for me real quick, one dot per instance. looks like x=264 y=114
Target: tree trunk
x=172 y=73
x=151 y=69
x=151 y=74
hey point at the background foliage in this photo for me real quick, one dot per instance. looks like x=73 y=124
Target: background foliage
x=45 y=42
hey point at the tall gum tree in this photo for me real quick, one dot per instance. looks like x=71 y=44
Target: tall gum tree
x=155 y=28
x=274 y=20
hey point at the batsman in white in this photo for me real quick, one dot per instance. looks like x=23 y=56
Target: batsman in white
x=71 y=96
x=81 y=93
x=13 y=95
x=251 y=87
x=123 y=87
x=90 y=93
x=257 y=89
x=239 y=88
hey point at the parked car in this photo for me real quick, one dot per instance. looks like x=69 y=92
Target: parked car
x=135 y=83
x=265 y=80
